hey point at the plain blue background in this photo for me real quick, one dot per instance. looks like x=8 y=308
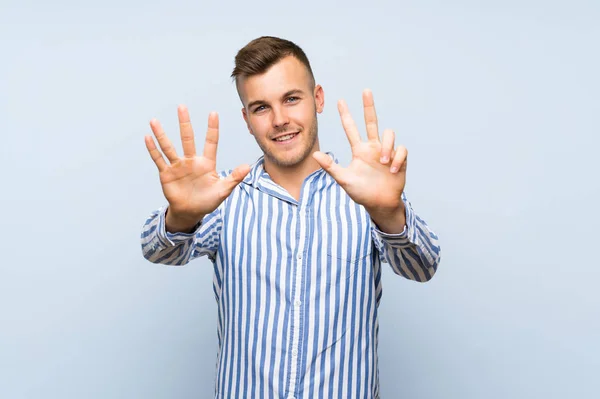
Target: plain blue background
x=497 y=102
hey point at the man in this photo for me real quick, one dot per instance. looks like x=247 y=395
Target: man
x=296 y=239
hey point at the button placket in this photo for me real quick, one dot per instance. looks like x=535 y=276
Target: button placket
x=294 y=353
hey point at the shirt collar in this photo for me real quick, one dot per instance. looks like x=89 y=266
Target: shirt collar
x=257 y=171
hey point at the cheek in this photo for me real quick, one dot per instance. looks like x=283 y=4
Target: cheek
x=259 y=126
x=303 y=115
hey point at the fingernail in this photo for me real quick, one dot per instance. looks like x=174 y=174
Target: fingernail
x=394 y=169
x=384 y=159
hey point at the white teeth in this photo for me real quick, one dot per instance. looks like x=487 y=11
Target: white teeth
x=286 y=137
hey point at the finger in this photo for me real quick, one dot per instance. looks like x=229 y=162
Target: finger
x=234 y=178
x=327 y=163
x=387 y=146
x=348 y=124
x=212 y=137
x=186 y=132
x=399 y=161
x=156 y=156
x=163 y=141
x=370 y=116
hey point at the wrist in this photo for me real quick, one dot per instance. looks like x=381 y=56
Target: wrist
x=180 y=223
x=391 y=221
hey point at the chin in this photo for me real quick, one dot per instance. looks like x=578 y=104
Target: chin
x=286 y=161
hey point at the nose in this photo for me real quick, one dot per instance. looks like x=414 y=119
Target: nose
x=280 y=117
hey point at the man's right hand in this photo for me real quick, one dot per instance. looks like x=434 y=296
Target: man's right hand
x=191 y=183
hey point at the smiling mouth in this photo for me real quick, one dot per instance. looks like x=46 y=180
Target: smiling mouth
x=285 y=138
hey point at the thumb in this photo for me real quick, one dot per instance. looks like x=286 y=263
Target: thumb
x=335 y=170
x=234 y=178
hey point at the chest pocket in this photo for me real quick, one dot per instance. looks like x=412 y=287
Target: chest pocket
x=350 y=246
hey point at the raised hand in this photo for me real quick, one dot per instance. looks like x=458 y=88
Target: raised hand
x=376 y=175
x=191 y=183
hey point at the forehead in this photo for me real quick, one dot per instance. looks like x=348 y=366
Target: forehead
x=285 y=75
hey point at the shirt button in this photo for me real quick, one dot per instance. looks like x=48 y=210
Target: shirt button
x=298 y=303
x=300 y=257
x=294 y=352
x=290 y=397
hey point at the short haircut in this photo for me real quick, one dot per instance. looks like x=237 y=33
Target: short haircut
x=260 y=54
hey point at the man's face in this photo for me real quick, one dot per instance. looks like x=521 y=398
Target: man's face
x=280 y=109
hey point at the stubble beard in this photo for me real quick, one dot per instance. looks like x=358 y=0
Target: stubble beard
x=286 y=162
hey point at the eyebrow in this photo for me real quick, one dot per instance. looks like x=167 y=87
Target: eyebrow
x=287 y=94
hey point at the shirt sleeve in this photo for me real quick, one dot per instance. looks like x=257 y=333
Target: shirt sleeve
x=161 y=246
x=414 y=253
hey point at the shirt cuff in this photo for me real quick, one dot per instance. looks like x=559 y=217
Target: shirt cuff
x=169 y=239
x=407 y=237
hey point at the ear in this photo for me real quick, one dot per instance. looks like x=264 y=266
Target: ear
x=245 y=115
x=319 y=98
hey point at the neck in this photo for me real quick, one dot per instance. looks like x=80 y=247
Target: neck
x=292 y=177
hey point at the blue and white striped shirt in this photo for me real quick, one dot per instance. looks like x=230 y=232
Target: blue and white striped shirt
x=297 y=285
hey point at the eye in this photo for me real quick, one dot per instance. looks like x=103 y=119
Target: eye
x=292 y=99
x=259 y=108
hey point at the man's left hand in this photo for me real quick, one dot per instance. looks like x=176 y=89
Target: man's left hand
x=376 y=175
